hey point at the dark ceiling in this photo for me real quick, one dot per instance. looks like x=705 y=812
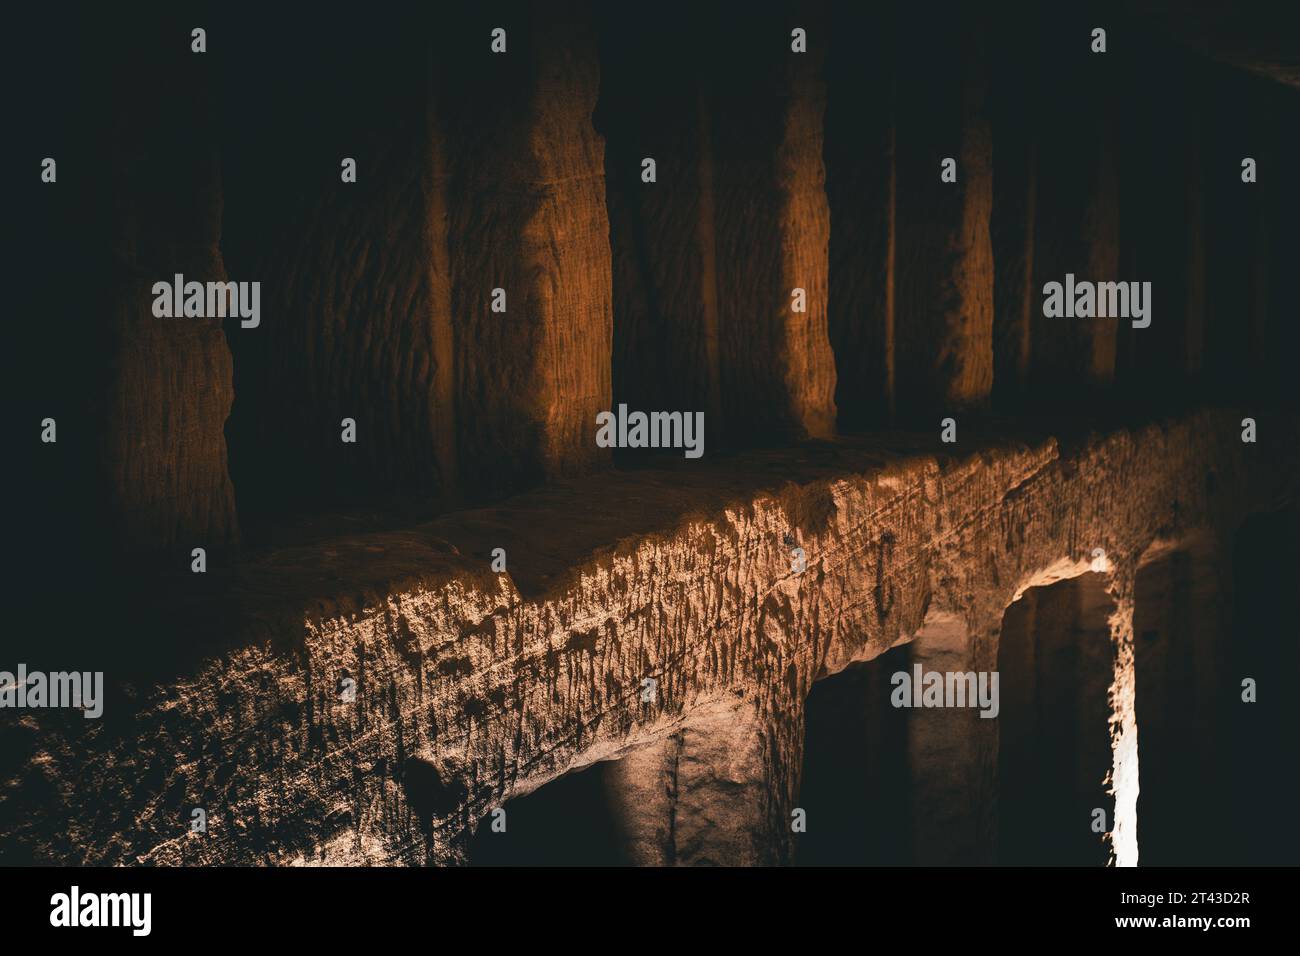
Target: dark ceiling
x=1262 y=37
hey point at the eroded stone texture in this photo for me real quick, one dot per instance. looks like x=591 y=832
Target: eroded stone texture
x=772 y=233
x=483 y=172
x=952 y=755
x=162 y=447
x=356 y=288
x=913 y=295
x=666 y=345
x=944 y=279
x=527 y=210
x=708 y=255
x=642 y=790
x=860 y=186
x=718 y=792
x=737 y=776
x=1052 y=101
x=473 y=686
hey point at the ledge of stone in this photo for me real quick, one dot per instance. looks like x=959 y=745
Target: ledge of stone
x=473 y=686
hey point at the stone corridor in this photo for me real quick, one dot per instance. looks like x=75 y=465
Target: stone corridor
x=474 y=636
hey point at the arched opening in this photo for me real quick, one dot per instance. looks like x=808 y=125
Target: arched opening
x=567 y=822
x=1054 y=658
x=855 y=782
x=899 y=757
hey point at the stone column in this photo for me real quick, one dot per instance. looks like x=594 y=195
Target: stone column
x=772 y=230
x=154 y=199
x=519 y=131
x=952 y=754
x=484 y=173
x=357 y=317
x=943 y=347
x=641 y=788
x=666 y=339
x=719 y=792
x=708 y=254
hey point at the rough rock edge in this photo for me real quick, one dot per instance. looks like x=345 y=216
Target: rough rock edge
x=470 y=694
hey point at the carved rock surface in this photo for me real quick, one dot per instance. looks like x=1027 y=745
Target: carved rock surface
x=483 y=172
x=473 y=687
x=155 y=199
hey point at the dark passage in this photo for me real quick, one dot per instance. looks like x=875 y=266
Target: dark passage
x=855 y=769
x=1262 y=778
x=1181 y=629
x=1054 y=747
x=565 y=823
